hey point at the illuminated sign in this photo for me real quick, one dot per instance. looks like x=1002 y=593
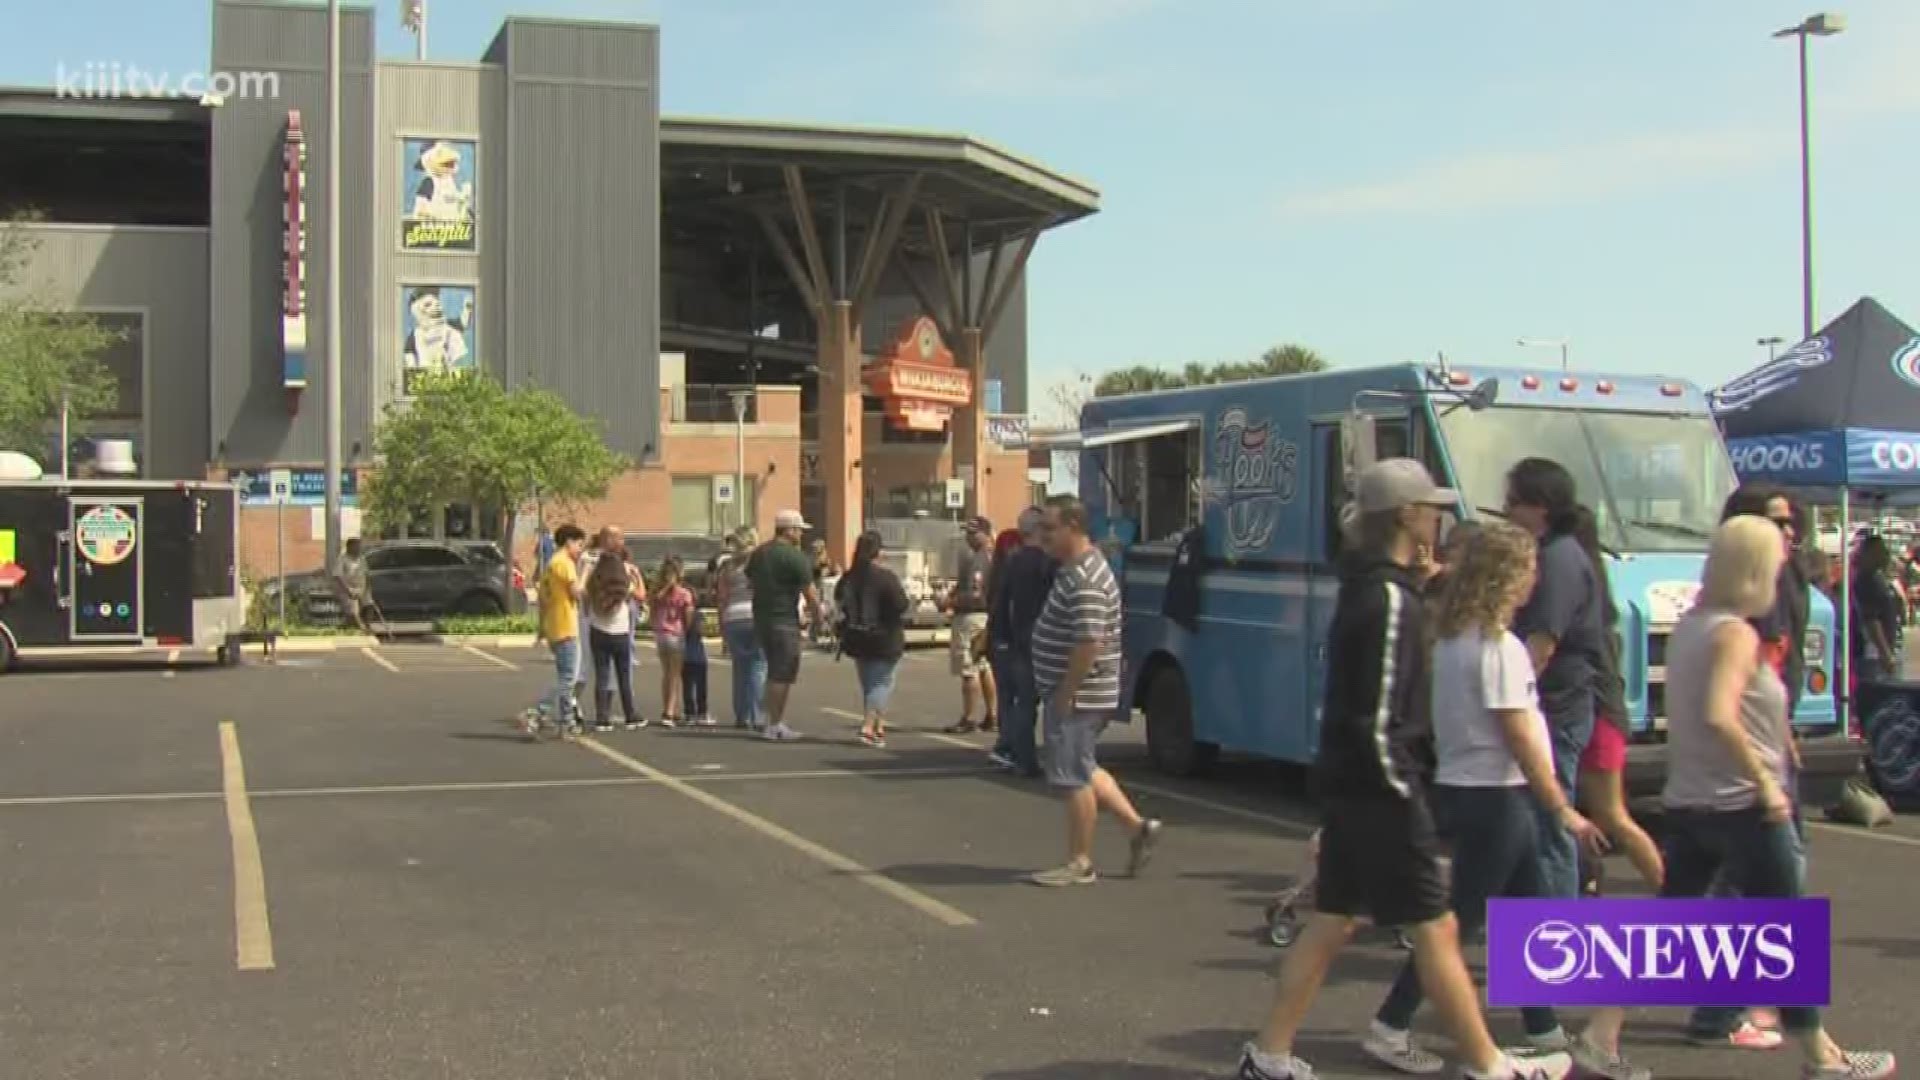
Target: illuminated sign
x=918 y=380
x=293 y=303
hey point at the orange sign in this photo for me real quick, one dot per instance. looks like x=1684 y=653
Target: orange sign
x=918 y=379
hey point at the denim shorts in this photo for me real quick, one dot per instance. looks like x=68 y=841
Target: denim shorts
x=876 y=683
x=1071 y=742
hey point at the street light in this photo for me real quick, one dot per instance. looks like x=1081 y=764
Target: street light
x=1772 y=345
x=1548 y=343
x=331 y=413
x=1825 y=24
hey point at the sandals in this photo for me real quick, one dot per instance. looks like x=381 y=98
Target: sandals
x=964 y=727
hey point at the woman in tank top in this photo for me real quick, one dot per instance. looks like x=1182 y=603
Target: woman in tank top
x=1729 y=751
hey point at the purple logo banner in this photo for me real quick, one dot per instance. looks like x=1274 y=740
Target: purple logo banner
x=1659 y=952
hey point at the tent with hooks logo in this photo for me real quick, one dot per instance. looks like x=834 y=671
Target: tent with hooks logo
x=1839 y=410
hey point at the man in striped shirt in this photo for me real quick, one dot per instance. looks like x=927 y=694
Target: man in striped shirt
x=1076 y=668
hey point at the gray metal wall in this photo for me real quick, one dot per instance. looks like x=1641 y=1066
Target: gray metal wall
x=583 y=214
x=452 y=101
x=160 y=273
x=251 y=421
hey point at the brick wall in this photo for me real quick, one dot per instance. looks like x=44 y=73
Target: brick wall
x=637 y=501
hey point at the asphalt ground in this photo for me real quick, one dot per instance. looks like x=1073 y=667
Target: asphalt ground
x=349 y=865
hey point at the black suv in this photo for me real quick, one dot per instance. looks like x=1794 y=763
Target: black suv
x=409 y=580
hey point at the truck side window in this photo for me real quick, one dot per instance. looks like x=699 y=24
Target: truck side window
x=1157 y=483
x=1391 y=439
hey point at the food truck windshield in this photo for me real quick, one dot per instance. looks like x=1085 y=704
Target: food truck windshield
x=1656 y=481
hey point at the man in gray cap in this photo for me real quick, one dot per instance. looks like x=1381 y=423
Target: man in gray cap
x=1379 y=848
x=968 y=603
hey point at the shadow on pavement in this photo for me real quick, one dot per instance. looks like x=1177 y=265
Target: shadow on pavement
x=114 y=665
x=1098 y=1070
x=490 y=736
x=937 y=874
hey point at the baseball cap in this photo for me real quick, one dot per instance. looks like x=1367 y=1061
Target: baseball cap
x=1397 y=482
x=980 y=525
x=790 y=519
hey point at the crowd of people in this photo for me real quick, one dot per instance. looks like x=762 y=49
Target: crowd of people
x=1474 y=701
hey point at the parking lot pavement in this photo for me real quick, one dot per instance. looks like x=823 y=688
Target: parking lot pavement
x=442 y=898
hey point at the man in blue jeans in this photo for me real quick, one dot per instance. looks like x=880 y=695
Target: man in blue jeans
x=1019 y=592
x=1562 y=624
x=560 y=591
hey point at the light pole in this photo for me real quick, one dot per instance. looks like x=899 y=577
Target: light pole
x=740 y=457
x=1825 y=24
x=332 y=409
x=1772 y=345
x=1548 y=343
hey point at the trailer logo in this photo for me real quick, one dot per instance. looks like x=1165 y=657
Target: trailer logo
x=1257 y=473
x=105 y=535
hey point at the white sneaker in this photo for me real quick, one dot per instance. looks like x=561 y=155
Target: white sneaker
x=1541 y=1067
x=781 y=733
x=1397 y=1050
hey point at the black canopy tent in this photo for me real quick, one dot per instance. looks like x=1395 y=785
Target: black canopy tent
x=1836 y=416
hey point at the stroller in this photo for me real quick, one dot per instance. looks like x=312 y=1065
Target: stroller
x=1283 y=911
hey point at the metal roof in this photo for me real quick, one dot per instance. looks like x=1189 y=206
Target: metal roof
x=991 y=170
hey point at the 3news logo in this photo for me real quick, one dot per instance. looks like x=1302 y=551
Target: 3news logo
x=1659 y=952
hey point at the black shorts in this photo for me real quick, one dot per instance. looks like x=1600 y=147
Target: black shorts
x=781 y=646
x=1380 y=859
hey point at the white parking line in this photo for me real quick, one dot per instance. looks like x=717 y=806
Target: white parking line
x=913 y=898
x=485 y=655
x=370 y=654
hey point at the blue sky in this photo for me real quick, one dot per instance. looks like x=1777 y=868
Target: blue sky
x=1378 y=179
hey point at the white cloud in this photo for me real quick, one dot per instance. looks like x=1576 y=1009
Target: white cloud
x=1512 y=178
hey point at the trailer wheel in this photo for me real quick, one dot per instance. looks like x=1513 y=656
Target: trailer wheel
x=1170 y=741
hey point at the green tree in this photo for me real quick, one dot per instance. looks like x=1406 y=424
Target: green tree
x=1279 y=360
x=1291 y=360
x=467 y=439
x=47 y=351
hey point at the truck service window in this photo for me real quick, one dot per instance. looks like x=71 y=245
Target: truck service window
x=1157 y=482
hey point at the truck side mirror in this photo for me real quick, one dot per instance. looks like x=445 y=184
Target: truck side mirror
x=1483 y=395
x=1358 y=447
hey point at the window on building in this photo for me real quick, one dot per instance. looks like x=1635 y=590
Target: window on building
x=692 y=507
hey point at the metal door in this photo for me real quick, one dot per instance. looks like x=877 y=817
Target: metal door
x=106 y=567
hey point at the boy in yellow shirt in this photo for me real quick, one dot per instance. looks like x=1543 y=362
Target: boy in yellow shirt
x=560 y=590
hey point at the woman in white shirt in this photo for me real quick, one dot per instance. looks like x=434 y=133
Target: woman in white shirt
x=1494 y=768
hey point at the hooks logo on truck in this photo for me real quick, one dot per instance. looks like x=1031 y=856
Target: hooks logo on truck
x=1258 y=473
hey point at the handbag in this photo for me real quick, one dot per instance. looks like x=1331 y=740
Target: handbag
x=858 y=637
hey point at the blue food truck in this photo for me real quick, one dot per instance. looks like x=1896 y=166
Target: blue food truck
x=1263 y=468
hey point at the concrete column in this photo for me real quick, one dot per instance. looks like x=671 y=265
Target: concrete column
x=969 y=431
x=841 y=425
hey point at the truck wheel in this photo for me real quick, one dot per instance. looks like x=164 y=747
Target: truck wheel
x=1170 y=741
x=6 y=652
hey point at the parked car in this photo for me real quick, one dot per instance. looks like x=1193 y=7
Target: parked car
x=648 y=550
x=411 y=580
